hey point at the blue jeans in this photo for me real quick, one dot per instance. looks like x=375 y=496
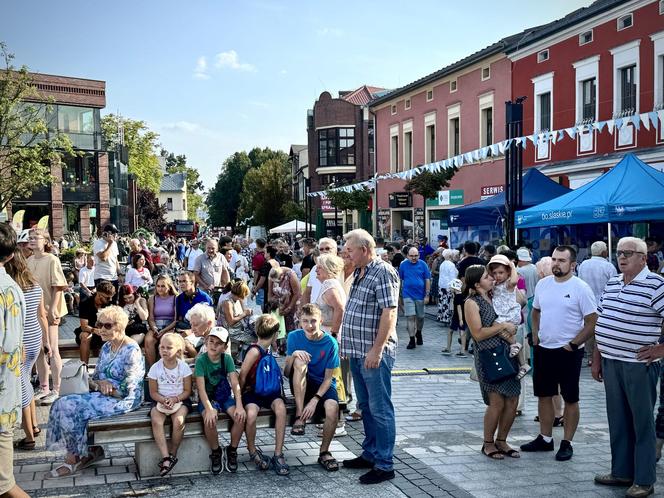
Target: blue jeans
x=373 y=388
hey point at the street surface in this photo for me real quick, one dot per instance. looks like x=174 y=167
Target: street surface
x=439 y=436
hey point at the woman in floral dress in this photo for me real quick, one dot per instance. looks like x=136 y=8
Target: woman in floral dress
x=119 y=389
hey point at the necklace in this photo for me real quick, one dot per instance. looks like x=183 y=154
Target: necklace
x=115 y=353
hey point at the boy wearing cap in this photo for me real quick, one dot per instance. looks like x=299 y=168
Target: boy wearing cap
x=216 y=378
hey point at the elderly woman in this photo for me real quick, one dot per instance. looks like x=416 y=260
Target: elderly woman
x=446 y=273
x=201 y=317
x=232 y=314
x=332 y=297
x=118 y=384
x=500 y=397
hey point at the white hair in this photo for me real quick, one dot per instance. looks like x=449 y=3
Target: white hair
x=448 y=254
x=640 y=244
x=598 y=248
x=202 y=311
x=328 y=240
x=361 y=238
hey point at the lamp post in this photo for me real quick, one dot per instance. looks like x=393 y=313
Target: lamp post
x=513 y=167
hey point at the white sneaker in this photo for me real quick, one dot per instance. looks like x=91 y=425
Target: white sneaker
x=40 y=392
x=338 y=432
x=50 y=398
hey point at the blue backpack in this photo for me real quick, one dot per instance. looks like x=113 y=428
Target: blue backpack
x=268 y=375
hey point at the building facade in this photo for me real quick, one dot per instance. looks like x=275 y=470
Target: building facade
x=91 y=188
x=173 y=195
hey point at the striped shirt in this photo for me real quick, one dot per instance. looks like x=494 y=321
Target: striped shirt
x=369 y=295
x=630 y=316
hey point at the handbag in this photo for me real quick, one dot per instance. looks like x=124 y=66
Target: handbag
x=74 y=378
x=496 y=364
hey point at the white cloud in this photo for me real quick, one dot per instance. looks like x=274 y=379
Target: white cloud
x=187 y=127
x=330 y=32
x=200 y=71
x=231 y=60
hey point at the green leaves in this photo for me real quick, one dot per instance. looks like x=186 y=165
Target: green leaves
x=358 y=199
x=427 y=184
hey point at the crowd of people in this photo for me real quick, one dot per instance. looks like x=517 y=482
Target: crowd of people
x=204 y=320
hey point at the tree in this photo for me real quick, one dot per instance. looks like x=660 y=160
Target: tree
x=151 y=214
x=141 y=143
x=427 y=184
x=27 y=147
x=356 y=199
x=178 y=164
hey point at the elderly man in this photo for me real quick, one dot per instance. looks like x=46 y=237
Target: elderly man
x=192 y=253
x=415 y=286
x=211 y=269
x=370 y=341
x=136 y=248
x=626 y=359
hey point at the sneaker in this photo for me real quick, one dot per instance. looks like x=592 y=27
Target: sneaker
x=231 y=459
x=610 y=480
x=216 y=463
x=446 y=352
x=565 y=451
x=375 y=476
x=418 y=336
x=49 y=399
x=338 y=432
x=538 y=444
x=358 y=463
x=40 y=392
x=411 y=343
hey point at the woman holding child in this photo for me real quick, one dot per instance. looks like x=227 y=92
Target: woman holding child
x=119 y=389
x=500 y=397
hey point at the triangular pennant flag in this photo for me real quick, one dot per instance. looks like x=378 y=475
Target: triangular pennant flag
x=521 y=141
x=610 y=124
x=468 y=157
x=653 y=119
x=619 y=123
x=561 y=135
x=554 y=137
x=494 y=149
x=660 y=113
x=484 y=152
x=599 y=125
x=571 y=132
x=476 y=155
x=645 y=120
x=636 y=121
x=533 y=138
x=458 y=161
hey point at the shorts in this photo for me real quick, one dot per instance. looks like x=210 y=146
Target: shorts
x=311 y=390
x=96 y=342
x=251 y=398
x=557 y=369
x=186 y=402
x=220 y=407
x=413 y=307
x=7 y=481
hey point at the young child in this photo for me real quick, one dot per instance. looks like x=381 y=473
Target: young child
x=267 y=329
x=71 y=296
x=170 y=388
x=456 y=325
x=505 y=302
x=216 y=379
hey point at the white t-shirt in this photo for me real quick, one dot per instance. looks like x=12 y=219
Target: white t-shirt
x=316 y=284
x=169 y=382
x=86 y=276
x=563 y=306
x=107 y=270
x=192 y=254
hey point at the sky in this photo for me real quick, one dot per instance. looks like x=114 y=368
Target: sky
x=217 y=77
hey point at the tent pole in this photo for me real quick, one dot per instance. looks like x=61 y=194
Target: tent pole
x=610 y=245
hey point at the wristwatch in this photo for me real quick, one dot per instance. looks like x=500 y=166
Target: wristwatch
x=575 y=347
x=317 y=396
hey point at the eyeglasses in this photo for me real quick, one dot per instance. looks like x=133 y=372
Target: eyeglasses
x=106 y=325
x=324 y=249
x=627 y=254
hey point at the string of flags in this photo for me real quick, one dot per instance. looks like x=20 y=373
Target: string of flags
x=646 y=119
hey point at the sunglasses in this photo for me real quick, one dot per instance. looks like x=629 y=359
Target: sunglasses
x=106 y=325
x=627 y=254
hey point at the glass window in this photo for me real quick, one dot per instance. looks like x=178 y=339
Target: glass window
x=430 y=146
x=628 y=89
x=336 y=147
x=76 y=119
x=545 y=111
x=454 y=137
x=487 y=127
x=79 y=171
x=588 y=96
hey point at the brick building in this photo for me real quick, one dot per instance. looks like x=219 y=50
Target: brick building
x=92 y=188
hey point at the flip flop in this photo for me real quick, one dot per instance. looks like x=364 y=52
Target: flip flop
x=72 y=471
x=97 y=454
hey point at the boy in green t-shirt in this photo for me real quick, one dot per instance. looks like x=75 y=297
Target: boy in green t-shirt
x=216 y=379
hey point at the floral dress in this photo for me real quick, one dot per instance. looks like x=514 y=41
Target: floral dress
x=283 y=292
x=68 y=420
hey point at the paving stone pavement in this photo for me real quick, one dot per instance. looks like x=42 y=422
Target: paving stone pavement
x=439 y=435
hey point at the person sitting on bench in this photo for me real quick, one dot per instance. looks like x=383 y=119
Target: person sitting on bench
x=88 y=336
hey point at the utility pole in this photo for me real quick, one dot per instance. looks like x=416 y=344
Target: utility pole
x=513 y=167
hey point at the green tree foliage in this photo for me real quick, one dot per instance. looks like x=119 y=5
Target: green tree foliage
x=357 y=199
x=223 y=200
x=151 y=215
x=141 y=143
x=266 y=192
x=178 y=164
x=427 y=184
x=27 y=149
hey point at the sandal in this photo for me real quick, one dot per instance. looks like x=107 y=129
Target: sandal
x=494 y=455
x=511 y=452
x=331 y=464
x=24 y=444
x=298 y=429
x=72 y=470
x=165 y=469
x=96 y=454
x=261 y=461
x=354 y=417
x=36 y=431
x=558 y=421
x=279 y=465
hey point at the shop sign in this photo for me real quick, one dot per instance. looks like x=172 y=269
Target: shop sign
x=331 y=223
x=92 y=212
x=490 y=190
x=401 y=199
x=447 y=198
x=326 y=205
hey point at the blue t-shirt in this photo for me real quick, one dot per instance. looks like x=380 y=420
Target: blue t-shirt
x=184 y=303
x=324 y=353
x=413 y=278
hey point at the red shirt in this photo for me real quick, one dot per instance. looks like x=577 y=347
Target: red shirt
x=257 y=261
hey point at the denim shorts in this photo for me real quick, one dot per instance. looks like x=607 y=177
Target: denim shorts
x=412 y=307
x=220 y=407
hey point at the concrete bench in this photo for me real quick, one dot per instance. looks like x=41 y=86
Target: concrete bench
x=136 y=427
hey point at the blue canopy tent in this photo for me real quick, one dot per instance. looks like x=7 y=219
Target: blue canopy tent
x=537 y=188
x=630 y=191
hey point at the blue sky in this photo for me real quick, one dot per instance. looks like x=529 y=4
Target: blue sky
x=215 y=77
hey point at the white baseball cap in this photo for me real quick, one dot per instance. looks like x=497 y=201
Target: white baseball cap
x=523 y=254
x=220 y=333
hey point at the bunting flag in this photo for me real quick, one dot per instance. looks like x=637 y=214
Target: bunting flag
x=571 y=132
x=610 y=125
x=645 y=119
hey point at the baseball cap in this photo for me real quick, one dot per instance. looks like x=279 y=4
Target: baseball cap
x=499 y=259
x=220 y=333
x=23 y=236
x=523 y=254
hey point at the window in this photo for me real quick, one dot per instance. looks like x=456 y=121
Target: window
x=543 y=55
x=79 y=171
x=76 y=119
x=545 y=111
x=430 y=143
x=393 y=109
x=586 y=37
x=659 y=96
x=406 y=104
x=627 y=88
x=454 y=137
x=658 y=100
x=394 y=153
x=661 y=7
x=625 y=22
x=336 y=147
x=486 y=73
x=407 y=150
x=453 y=86
x=588 y=99
x=429 y=95
x=184 y=204
x=486 y=137
x=169 y=204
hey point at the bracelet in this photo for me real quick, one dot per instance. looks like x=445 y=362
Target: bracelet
x=317 y=396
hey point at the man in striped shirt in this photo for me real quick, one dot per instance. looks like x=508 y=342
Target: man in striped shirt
x=626 y=359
